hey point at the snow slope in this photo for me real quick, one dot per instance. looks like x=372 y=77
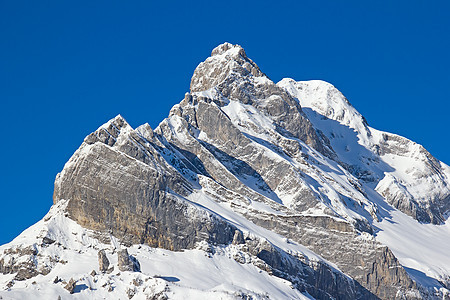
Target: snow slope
x=409 y=170
x=195 y=274
x=423 y=249
x=400 y=170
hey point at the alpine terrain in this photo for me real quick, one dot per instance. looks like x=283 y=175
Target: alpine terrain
x=250 y=189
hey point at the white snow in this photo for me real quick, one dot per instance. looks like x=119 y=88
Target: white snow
x=423 y=249
x=193 y=274
x=356 y=143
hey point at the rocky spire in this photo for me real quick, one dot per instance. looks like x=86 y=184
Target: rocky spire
x=231 y=74
x=226 y=61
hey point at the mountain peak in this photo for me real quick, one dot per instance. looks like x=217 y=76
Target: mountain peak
x=229 y=48
x=108 y=132
x=227 y=63
x=268 y=181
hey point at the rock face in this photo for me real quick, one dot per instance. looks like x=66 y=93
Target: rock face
x=241 y=158
x=238 y=238
x=236 y=77
x=140 y=194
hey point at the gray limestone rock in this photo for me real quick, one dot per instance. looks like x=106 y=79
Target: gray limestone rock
x=238 y=238
x=123 y=260
x=70 y=286
x=103 y=262
x=131 y=292
x=127 y=262
x=21 y=261
x=26 y=273
x=139 y=195
x=237 y=77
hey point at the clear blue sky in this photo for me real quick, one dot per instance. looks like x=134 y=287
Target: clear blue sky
x=67 y=67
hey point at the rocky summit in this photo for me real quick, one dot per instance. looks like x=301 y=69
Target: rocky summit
x=250 y=189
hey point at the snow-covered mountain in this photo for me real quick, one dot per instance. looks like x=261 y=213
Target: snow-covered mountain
x=250 y=189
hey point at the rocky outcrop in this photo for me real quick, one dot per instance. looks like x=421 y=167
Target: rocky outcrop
x=127 y=262
x=22 y=261
x=432 y=202
x=70 y=286
x=368 y=262
x=103 y=262
x=226 y=59
x=314 y=277
x=238 y=238
x=139 y=194
x=236 y=77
